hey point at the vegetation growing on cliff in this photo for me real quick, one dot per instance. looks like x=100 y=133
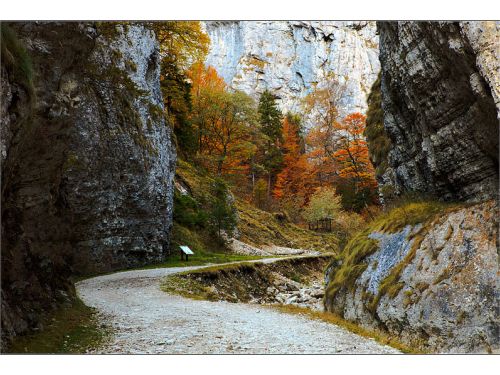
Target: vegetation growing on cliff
x=350 y=264
x=379 y=143
x=15 y=58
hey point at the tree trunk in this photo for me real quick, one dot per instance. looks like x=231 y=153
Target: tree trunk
x=269 y=185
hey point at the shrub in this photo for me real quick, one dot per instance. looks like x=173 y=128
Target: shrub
x=324 y=204
x=260 y=194
x=188 y=212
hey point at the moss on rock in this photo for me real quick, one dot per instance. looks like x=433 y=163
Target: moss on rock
x=379 y=143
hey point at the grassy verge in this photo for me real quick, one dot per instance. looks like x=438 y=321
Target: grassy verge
x=241 y=281
x=350 y=326
x=205 y=259
x=72 y=329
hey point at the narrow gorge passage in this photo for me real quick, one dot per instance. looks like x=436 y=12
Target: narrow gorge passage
x=147 y=320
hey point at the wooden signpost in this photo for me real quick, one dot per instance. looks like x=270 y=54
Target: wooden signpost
x=185 y=251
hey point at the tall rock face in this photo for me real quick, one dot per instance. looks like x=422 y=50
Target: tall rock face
x=440 y=99
x=87 y=162
x=290 y=58
x=432 y=285
x=432 y=128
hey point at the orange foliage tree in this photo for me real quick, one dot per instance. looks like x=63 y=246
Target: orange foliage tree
x=223 y=120
x=351 y=152
x=337 y=150
x=295 y=183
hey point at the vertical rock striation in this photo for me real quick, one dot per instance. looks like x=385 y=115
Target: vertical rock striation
x=440 y=102
x=290 y=58
x=87 y=178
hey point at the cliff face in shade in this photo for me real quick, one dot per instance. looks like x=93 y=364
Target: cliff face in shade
x=290 y=58
x=87 y=182
x=440 y=102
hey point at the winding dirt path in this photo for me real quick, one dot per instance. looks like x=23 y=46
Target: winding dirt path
x=147 y=320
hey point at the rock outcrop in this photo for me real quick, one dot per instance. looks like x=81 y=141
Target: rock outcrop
x=443 y=295
x=432 y=129
x=440 y=101
x=290 y=58
x=87 y=169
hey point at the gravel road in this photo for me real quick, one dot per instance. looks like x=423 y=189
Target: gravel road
x=147 y=320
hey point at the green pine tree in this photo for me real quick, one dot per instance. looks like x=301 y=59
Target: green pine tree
x=223 y=216
x=177 y=99
x=271 y=126
x=270 y=117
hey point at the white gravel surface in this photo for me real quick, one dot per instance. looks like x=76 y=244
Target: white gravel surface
x=146 y=320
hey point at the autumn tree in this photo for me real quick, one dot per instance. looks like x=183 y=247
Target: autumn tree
x=337 y=150
x=294 y=184
x=223 y=120
x=292 y=153
x=182 y=43
x=228 y=132
x=351 y=151
x=355 y=168
x=322 y=107
x=206 y=86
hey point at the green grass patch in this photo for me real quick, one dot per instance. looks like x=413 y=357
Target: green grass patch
x=71 y=329
x=203 y=259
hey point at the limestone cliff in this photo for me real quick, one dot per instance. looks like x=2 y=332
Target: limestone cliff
x=432 y=284
x=440 y=93
x=290 y=58
x=87 y=161
x=428 y=273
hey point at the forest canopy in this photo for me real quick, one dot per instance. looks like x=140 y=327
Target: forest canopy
x=266 y=156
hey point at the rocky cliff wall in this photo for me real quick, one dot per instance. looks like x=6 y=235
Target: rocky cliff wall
x=433 y=285
x=440 y=93
x=87 y=175
x=432 y=129
x=290 y=58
